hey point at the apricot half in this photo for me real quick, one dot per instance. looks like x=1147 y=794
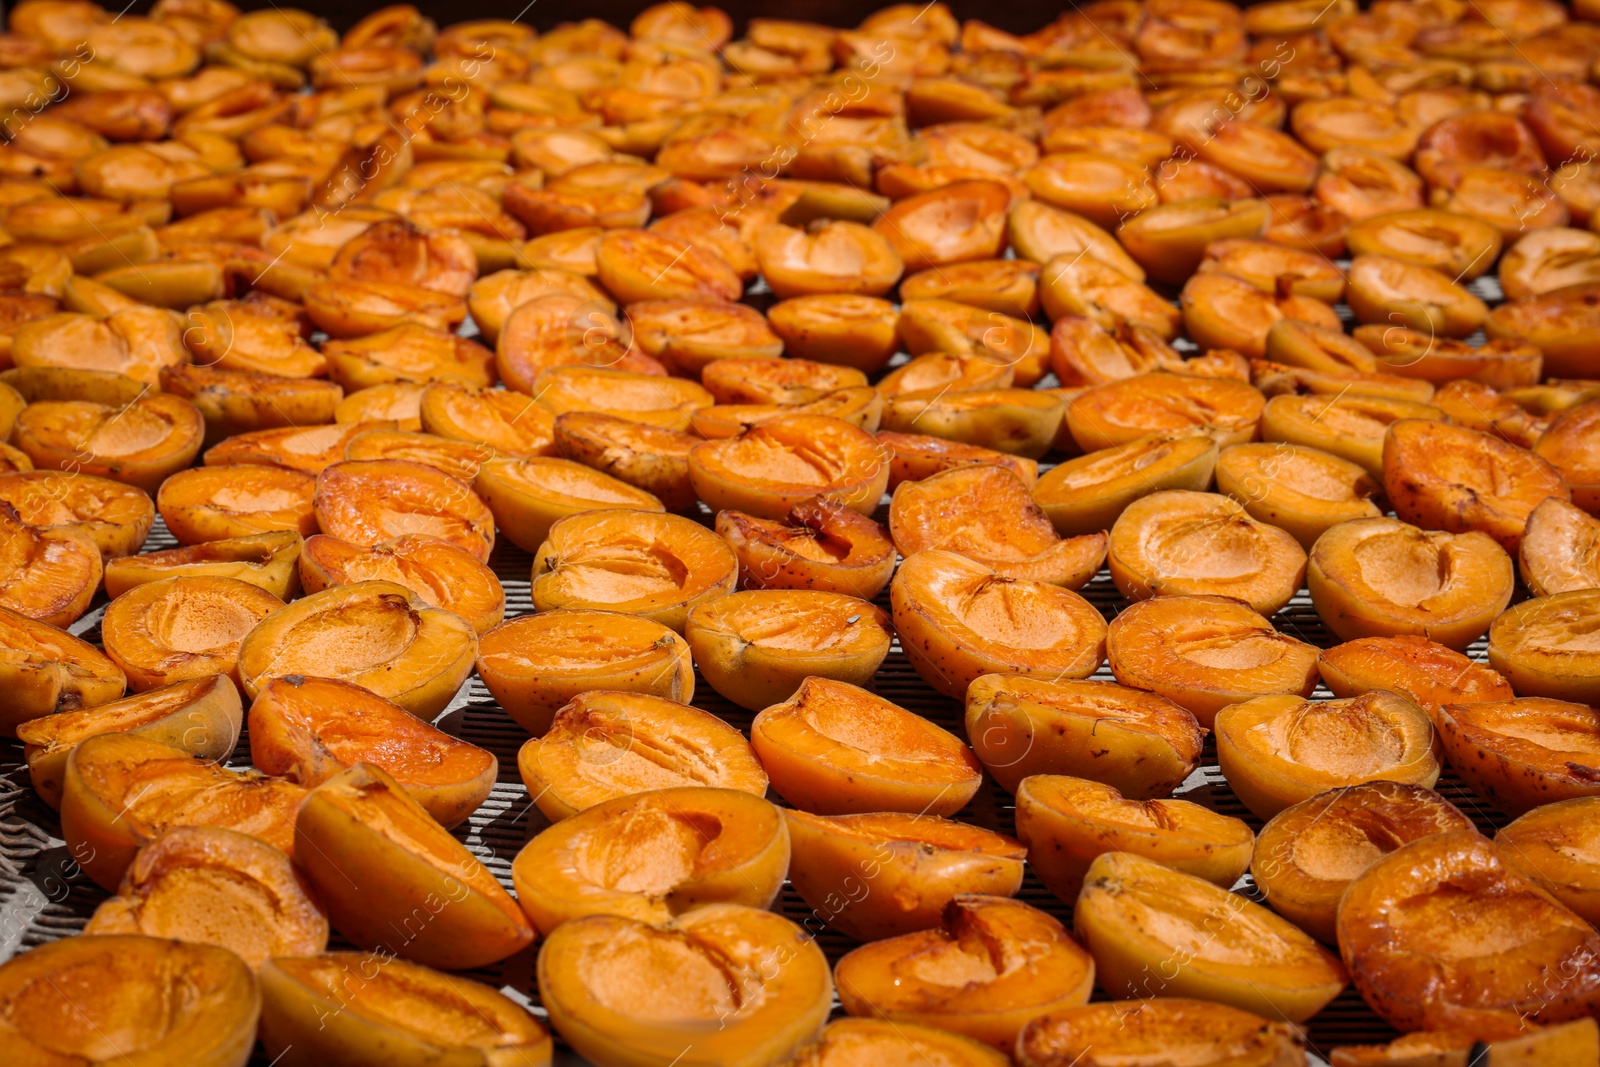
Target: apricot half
x=1383 y=577
x=1086 y=494
x=1309 y=852
x=179 y=628
x=45 y=670
x=1444 y=477
x=138 y=444
x=202 y=717
x=652 y=855
x=510 y=423
x=959 y=619
x=623 y=991
x=1522 y=957
x=772 y=467
x=985 y=512
x=1520 y=754
x=208 y=885
x=603 y=745
x=1543 y=648
x=116 y=517
x=443 y=574
x=638 y=562
x=851 y=1041
x=266 y=560
x=1203 y=544
x=1568 y=444
x=121 y=790
x=820 y=545
x=378 y=635
x=1558 y=550
x=1577 y=1041
x=52 y=572
x=95 y=999
x=1066 y=822
x=834 y=748
x=371 y=1010
x=1144 y=1032
x=651 y=458
x=756 y=647
x=1206 y=652
x=1350 y=426
x=1424 y=672
x=1142 y=744
x=1153 y=929
x=1555 y=845
x=394 y=880
x=886 y=874
x=309 y=729
x=219 y=503
x=1124 y=410
x=368 y=502
x=970 y=974
x=1303 y=491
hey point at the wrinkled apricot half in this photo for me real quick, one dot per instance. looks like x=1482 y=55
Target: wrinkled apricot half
x=774 y=466
x=1279 y=750
x=207 y=885
x=1384 y=577
x=1418 y=966
x=652 y=458
x=1424 y=672
x=603 y=745
x=834 y=748
x=652 y=855
x=1066 y=822
x=117 y=517
x=309 y=729
x=115 y=979
x=508 y=422
x=121 y=790
x=1145 y=1031
x=1140 y=918
x=394 y=880
x=820 y=545
x=959 y=619
x=1520 y=754
x=1142 y=744
x=972 y=973
x=1206 y=652
x=375 y=634
x=368 y=1009
x=885 y=874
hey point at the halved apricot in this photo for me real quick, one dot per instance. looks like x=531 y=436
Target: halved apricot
x=395 y=252
x=1554 y=845
x=594 y=971
x=1519 y=754
x=776 y=381
x=820 y=545
x=1575 y=1040
x=1419 y=967
x=834 y=748
x=201 y=717
x=561 y=330
x=646 y=398
x=1275 y=268
x=1097 y=185
x=442 y=574
x=139 y=444
x=1361 y=183
x=777 y=465
x=853 y=331
x=355 y=309
x=52 y=571
x=1084 y=352
x=1022 y=422
x=369 y=502
x=213 y=886
x=1224 y=311
x=1087 y=493
x=917 y=456
x=139 y=342
x=1206 y=652
x=886 y=874
x=602 y=745
x=1041 y=233
x=830 y=256
x=652 y=855
x=1542 y=646
x=639 y=265
x=459 y=459
x=183 y=627
x=1382 y=577
x=216 y=503
x=256 y=335
x=395 y=404
x=1310 y=851
x=407 y=353
x=847 y=1041
x=121 y=790
x=1066 y=822
x=115 y=979
x=1119 y=412
x=947 y=511
x=1424 y=672
x=959 y=619
x=638 y=562
x=689 y=336
x=1170 y=240
x=115 y=516
x=46 y=670
x=1549 y=259
x=529 y=495
x=368 y=1009
x=1454 y=478
x=396 y=882
x=1083 y=284
x=1455 y=244
x=375 y=634
x=302 y=448
x=234 y=402
x=510 y=423
x=756 y=647
x=1557 y=554
x=1144 y=921
x=965 y=220
x=861 y=406
x=1304 y=491
x=1004 y=341
x=972 y=974
x=533 y=665
x=1146 y=1030
x=1009 y=286
x=1562 y=323
x=1390 y=291
x=1350 y=426
x=1142 y=744
x=1280 y=750
x=651 y=458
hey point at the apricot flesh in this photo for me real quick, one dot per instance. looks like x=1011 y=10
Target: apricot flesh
x=1523 y=753
x=820 y=544
x=1554 y=844
x=1148 y=1030
x=1541 y=646
x=1424 y=672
